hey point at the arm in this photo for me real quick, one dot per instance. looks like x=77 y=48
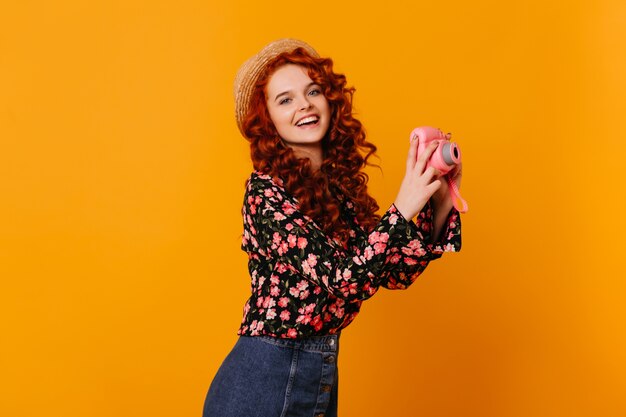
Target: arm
x=449 y=241
x=284 y=234
x=420 y=194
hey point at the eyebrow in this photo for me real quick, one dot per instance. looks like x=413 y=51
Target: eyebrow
x=289 y=91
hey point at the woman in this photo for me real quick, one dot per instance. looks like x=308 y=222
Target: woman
x=317 y=249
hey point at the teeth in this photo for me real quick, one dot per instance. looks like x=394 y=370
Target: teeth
x=308 y=119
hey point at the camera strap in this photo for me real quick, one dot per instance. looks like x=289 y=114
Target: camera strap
x=459 y=203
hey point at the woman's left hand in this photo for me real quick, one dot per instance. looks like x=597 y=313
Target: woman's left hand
x=441 y=199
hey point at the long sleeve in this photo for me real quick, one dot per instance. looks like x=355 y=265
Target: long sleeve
x=398 y=276
x=393 y=250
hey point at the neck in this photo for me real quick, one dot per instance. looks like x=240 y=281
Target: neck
x=313 y=152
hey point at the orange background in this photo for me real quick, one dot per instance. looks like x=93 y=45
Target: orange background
x=121 y=179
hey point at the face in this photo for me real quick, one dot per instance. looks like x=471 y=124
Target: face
x=297 y=106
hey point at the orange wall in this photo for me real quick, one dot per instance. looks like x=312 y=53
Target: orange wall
x=121 y=180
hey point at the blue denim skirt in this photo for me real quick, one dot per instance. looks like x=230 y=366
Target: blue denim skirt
x=269 y=377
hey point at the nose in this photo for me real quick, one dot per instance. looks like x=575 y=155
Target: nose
x=304 y=103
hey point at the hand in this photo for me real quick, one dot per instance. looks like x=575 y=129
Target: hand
x=441 y=199
x=419 y=183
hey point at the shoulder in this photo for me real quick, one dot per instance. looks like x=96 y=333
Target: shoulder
x=267 y=190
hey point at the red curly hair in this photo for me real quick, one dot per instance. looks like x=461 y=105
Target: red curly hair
x=344 y=148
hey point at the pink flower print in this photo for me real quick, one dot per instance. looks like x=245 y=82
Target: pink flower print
x=299 y=222
x=292 y=240
x=384 y=237
x=283 y=248
x=292 y=333
x=259 y=301
x=268 y=193
x=288 y=208
x=289 y=227
x=368 y=253
x=304 y=294
x=302 y=285
x=294 y=292
x=309 y=308
x=393 y=219
x=325 y=280
x=357 y=260
x=395 y=258
x=302 y=242
x=317 y=290
x=269 y=302
x=271 y=313
x=256 y=327
x=373 y=237
x=304 y=319
x=257 y=200
x=276 y=238
x=283 y=301
x=347 y=274
x=274 y=291
x=274 y=279
x=317 y=323
x=306 y=269
x=285 y=315
x=416 y=246
x=449 y=247
x=410 y=261
x=278 y=216
x=379 y=247
x=312 y=260
x=280 y=267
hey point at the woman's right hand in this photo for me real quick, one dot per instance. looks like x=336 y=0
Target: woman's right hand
x=419 y=183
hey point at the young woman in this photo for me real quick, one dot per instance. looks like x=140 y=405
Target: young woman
x=316 y=247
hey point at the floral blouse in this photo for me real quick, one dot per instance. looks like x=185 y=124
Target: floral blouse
x=304 y=283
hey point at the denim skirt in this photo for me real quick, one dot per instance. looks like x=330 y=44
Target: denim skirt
x=269 y=377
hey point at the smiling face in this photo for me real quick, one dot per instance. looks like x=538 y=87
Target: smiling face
x=297 y=107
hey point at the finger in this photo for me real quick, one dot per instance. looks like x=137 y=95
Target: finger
x=433 y=187
x=425 y=156
x=412 y=155
x=430 y=173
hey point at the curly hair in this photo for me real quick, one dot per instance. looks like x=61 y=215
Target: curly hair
x=344 y=148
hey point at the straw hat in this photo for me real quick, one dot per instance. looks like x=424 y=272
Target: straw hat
x=250 y=71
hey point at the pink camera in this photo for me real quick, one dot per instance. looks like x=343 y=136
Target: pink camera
x=444 y=158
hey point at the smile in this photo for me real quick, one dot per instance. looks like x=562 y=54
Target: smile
x=308 y=121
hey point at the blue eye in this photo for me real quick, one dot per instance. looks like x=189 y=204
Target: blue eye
x=283 y=101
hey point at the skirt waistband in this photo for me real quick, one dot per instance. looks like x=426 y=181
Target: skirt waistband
x=327 y=343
